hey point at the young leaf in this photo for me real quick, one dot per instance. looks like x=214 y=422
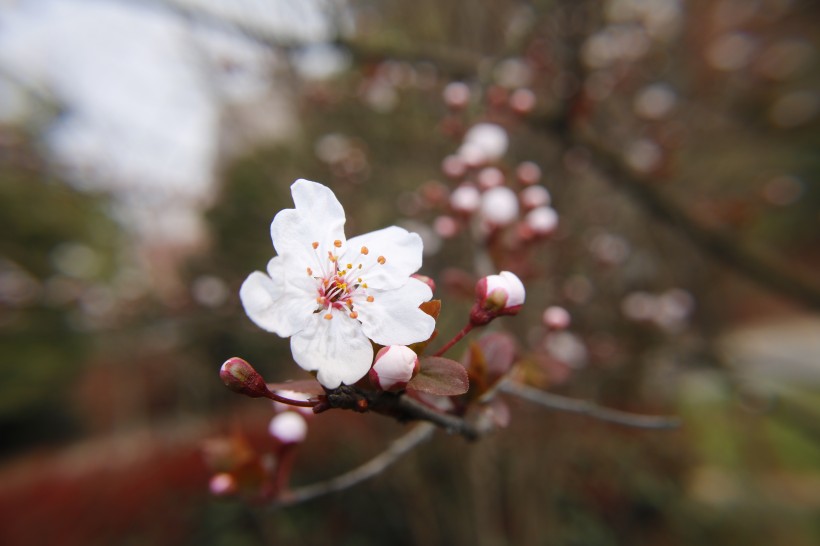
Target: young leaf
x=441 y=377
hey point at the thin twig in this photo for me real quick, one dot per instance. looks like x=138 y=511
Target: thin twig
x=585 y=407
x=775 y=274
x=370 y=469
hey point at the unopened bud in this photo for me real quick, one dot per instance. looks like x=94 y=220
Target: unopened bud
x=394 y=367
x=222 y=484
x=288 y=427
x=497 y=295
x=426 y=280
x=556 y=318
x=456 y=95
x=465 y=199
x=528 y=173
x=499 y=206
x=239 y=376
x=542 y=220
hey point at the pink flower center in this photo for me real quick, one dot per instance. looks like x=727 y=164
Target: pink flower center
x=339 y=284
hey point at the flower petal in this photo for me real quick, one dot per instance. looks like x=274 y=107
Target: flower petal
x=273 y=305
x=318 y=217
x=336 y=348
x=394 y=317
x=402 y=252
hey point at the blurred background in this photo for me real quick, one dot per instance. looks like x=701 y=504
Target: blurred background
x=146 y=146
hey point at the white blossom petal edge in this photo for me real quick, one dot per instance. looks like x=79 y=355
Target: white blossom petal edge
x=332 y=296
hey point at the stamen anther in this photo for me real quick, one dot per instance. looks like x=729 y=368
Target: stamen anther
x=364 y=250
x=329 y=316
x=381 y=260
x=315 y=245
x=337 y=243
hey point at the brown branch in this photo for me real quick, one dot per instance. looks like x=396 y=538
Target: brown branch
x=368 y=470
x=585 y=407
x=767 y=271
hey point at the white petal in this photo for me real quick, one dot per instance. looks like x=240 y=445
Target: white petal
x=401 y=250
x=394 y=317
x=273 y=306
x=337 y=348
x=318 y=217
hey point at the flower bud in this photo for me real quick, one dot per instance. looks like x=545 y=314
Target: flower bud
x=239 y=376
x=556 y=318
x=499 y=206
x=528 y=173
x=542 y=220
x=496 y=295
x=465 y=198
x=456 y=95
x=426 y=280
x=394 y=367
x=288 y=427
x=222 y=484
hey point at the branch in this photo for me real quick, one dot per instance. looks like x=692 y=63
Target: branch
x=721 y=246
x=590 y=409
x=370 y=469
x=399 y=406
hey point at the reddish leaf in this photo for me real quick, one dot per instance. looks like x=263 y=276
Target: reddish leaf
x=441 y=377
x=432 y=308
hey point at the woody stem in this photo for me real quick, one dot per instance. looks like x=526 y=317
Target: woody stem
x=464 y=331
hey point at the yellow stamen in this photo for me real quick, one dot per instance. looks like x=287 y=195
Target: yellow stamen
x=381 y=260
x=350 y=266
x=370 y=299
x=315 y=245
x=329 y=316
x=354 y=314
x=309 y=271
x=337 y=243
x=364 y=250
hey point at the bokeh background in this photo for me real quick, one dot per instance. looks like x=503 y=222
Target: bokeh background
x=146 y=146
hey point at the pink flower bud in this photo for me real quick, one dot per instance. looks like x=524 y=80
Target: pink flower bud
x=490 y=177
x=426 y=280
x=535 y=196
x=453 y=166
x=497 y=295
x=288 y=427
x=465 y=199
x=222 y=484
x=542 y=220
x=522 y=101
x=499 y=206
x=556 y=318
x=394 y=367
x=456 y=95
x=239 y=376
x=445 y=227
x=528 y=173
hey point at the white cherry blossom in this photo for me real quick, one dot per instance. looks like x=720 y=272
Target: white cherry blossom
x=331 y=295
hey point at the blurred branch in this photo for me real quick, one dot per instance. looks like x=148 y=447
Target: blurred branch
x=584 y=407
x=768 y=271
x=370 y=469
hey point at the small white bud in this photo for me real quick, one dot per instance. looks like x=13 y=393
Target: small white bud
x=535 y=196
x=499 y=206
x=542 y=220
x=394 y=367
x=465 y=198
x=288 y=427
x=556 y=318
